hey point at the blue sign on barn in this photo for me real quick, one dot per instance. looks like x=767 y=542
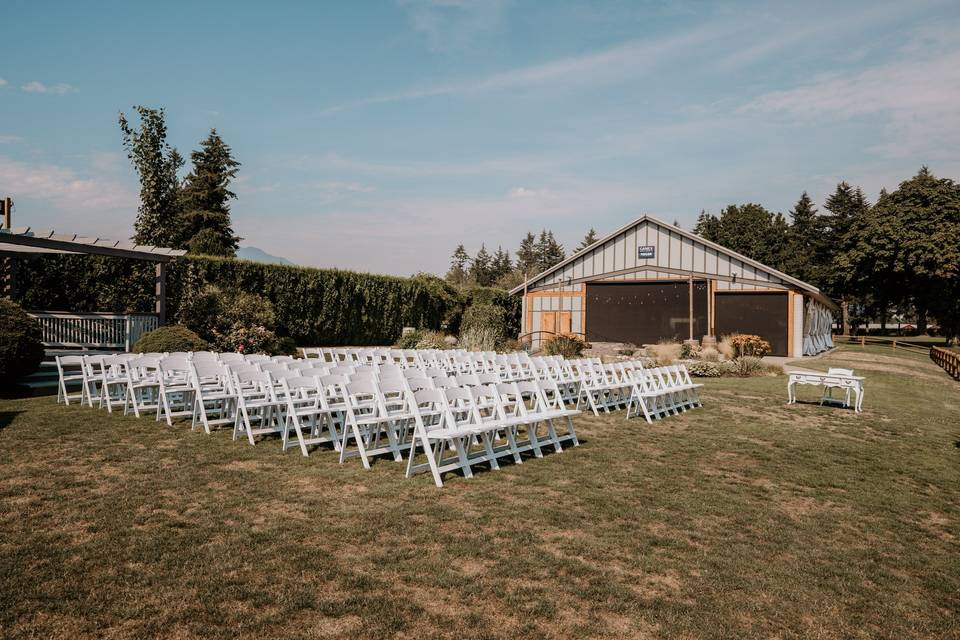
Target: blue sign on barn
x=646 y=251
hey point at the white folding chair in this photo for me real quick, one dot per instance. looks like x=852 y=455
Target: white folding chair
x=214 y=400
x=70 y=370
x=259 y=410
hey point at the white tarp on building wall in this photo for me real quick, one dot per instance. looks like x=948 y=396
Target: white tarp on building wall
x=817 y=328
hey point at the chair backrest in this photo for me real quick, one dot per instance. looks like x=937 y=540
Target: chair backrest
x=273 y=367
x=256 y=357
x=208 y=369
x=198 y=356
x=231 y=357
x=314 y=372
x=69 y=361
x=467 y=380
x=837 y=371
x=417 y=384
x=488 y=378
x=172 y=364
x=342 y=370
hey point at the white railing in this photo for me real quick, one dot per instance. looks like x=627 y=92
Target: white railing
x=93 y=330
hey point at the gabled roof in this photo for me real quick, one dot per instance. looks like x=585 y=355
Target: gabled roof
x=27 y=240
x=799 y=284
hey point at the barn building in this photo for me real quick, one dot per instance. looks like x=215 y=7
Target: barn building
x=650 y=280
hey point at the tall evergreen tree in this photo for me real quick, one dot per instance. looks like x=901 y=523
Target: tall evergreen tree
x=457 y=273
x=205 y=196
x=846 y=206
x=527 y=255
x=804 y=241
x=549 y=252
x=481 y=269
x=501 y=265
x=156 y=163
x=588 y=240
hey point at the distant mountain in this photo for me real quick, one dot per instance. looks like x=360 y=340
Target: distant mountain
x=259 y=255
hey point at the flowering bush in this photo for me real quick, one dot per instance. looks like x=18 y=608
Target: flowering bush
x=745 y=344
x=232 y=320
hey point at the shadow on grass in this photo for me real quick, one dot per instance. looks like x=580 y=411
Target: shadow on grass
x=15 y=391
x=6 y=417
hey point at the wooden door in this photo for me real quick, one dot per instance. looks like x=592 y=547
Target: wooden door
x=565 y=323
x=548 y=322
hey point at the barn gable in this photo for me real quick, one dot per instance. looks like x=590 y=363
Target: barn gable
x=649 y=248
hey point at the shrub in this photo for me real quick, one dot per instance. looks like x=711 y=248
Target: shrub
x=423 y=339
x=665 y=352
x=745 y=344
x=174 y=337
x=21 y=349
x=285 y=346
x=709 y=354
x=247 y=339
x=410 y=339
x=486 y=316
x=746 y=366
x=232 y=320
x=725 y=348
x=479 y=338
x=563 y=345
x=707 y=369
x=510 y=305
x=686 y=351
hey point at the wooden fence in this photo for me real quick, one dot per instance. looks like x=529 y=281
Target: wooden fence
x=894 y=343
x=949 y=360
x=93 y=330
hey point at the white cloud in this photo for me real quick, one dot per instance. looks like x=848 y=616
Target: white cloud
x=523 y=192
x=60 y=88
x=629 y=59
x=10 y=139
x=916 y=98
x=454 y=24
x=65 y=189
x=3 y=82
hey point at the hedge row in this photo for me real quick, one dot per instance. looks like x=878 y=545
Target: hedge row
x=313 y=306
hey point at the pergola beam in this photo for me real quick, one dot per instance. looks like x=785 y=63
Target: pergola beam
x=79 y=244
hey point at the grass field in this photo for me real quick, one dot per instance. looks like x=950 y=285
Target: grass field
x=747 y=518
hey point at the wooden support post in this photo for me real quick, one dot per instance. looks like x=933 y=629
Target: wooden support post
x=690 y=280
x=161 y=292
x=6 y=209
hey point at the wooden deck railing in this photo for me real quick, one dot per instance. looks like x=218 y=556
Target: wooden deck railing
x=94 y=330
x=949 y=360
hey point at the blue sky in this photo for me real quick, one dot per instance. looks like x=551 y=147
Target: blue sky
x=378 y=135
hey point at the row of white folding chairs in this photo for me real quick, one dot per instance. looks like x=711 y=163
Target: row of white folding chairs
x=656 y=392
x=376 y=416
x=459 y=427
x=87 y=370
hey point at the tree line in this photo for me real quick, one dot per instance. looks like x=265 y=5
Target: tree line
x=900 y=254
x=535 y=254
x=192 y=213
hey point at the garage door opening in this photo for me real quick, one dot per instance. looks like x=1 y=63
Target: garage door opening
x=761 y=313
x=645 y=312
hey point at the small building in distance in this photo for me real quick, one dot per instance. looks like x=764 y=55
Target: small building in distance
x=649 y=281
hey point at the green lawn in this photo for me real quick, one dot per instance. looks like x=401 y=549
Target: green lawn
x=747 y=518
